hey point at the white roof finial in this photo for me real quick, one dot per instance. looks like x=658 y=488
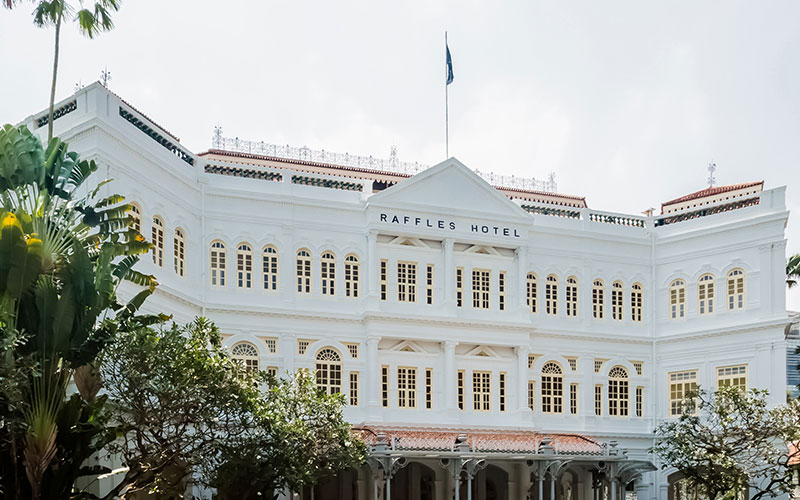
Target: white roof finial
x=711 y=179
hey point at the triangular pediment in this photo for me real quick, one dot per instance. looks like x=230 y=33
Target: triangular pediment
x=407 y=346
x=483 y=351
x=450 y=187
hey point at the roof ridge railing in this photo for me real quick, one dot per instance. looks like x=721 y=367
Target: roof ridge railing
x=388 y=165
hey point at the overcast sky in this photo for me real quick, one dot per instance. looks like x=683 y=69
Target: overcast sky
x=627 y=102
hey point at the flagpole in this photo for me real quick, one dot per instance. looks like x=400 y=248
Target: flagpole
x=446 y=107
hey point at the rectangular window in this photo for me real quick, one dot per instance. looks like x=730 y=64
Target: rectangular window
x=352 y=348
x=616 y=301
x=429 y=284
x=459 y=286
x=460 y=380
x=428 y=388
x=384 y=278
x=732 y=376
x=531 y=360
x=480 y=288
x=244 y=267
x=327 y=274
x=269 y=263
x=639 y=400
x=481 y=391
x=532 y=395
x=598 y=364
x=636 y=302
x=502 y=391
x=385 y=386
x=531 y=292
x=638 y=366
x=573 y=399
x=572 y=297
x=681 y=385
x=406 y=387
x=597 y=299
x=351 y=277
x=272 y=371
x=598 y=400
x=573 y=364
x=353 y=388
x=551 y=295
x=407 y=281
x=302 y=346
x=303 y=272
x=272 y=345
x=501 y=290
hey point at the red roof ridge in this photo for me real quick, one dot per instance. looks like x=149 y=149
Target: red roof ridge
x=710 y=191
x=237 y=154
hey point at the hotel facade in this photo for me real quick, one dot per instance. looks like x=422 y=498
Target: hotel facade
x=490 y=336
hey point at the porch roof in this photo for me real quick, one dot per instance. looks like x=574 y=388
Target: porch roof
x=443 y=439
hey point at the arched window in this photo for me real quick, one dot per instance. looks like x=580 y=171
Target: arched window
x=246 y=354
x=618 y=392
x=218 y=264
x=158 y=241
x=636 y=302
x=551 y=295
x=351 y=276
x=677 y=299
x=552 y=388
x=572 y=296
x=179 y=252
x=735 y=289
x=327 y=273
x=705 y=294
x=244 y=266
x=329 y=371
x=135 y=213
x=616 y=301
x=269 y=263
x=531 y=293
x=597 y=299
x=303 y=271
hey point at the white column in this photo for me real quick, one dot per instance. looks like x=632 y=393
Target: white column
x=451 y=388
x=522 y=378
x=449 y=273
x=372 y=270
x=373 y=372
x=522 y=278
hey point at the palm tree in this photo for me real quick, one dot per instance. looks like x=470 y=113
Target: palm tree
x=91 y=21
x=792 y=270
x=63 y=254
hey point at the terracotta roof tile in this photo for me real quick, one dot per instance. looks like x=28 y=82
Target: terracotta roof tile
x=497 y=441
x=710 y=191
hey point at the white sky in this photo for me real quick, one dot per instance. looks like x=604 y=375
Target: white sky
x=626 y=101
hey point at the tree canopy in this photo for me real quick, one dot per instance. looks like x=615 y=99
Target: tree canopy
x=734 y=441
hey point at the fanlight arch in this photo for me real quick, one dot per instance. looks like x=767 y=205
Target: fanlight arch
x=329 y=370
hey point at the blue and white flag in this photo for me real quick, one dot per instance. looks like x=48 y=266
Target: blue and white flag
x=449 y=65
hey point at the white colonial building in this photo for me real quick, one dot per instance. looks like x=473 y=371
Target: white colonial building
x=507 y=342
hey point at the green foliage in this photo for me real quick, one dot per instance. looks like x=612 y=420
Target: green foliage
x=175 y=394
x=186 y=409
x=734 y=441
x=64 y=250
x=792 y=270
x=300 y=437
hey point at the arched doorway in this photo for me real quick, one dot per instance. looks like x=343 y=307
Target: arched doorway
x=490 y=483
x=415 y=481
